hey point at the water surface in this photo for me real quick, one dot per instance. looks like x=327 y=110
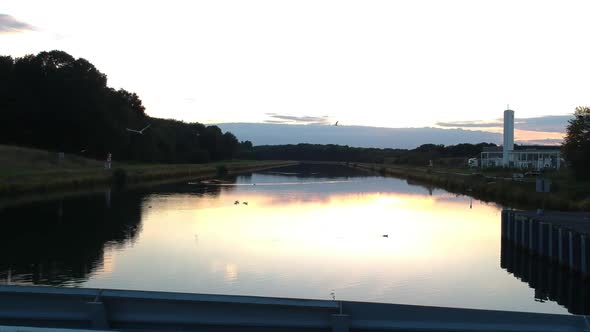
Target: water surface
x=306 y=232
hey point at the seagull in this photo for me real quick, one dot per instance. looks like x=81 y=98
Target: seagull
x=385 y=235
x=245 y=203
x=336 y=124
x=236 y=202
x=138 y=131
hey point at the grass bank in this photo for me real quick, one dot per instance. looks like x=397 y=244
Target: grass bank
x=24 y=170
x=493 y=187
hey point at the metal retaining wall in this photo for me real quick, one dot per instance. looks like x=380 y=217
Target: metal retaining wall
x=554 y=236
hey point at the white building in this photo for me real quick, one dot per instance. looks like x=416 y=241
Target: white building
x=526 y=158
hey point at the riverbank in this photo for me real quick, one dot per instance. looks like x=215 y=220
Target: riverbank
x=31 y=171
x=519 y=193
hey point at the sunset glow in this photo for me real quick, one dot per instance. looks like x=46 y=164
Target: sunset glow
x=370 y=64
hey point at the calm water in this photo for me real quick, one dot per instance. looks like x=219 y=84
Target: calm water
x=305 y=233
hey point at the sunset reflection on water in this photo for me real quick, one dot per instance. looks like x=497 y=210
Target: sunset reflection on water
x=302 y=234
x=306 y=239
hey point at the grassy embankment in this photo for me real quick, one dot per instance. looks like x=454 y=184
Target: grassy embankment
x=24 y=170
x=496 y=185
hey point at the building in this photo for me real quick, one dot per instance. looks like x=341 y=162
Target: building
x=535 y=158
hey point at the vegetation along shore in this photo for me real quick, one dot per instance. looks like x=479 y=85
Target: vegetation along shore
x=495 y=185
x=25 y=170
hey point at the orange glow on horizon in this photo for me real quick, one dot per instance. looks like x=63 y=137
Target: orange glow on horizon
x=521 y=135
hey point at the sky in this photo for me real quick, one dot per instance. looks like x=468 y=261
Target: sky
x=396 y=64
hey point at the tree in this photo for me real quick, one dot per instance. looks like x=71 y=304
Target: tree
x=53 y=101
x=576 y=146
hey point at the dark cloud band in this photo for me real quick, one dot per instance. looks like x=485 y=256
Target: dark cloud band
x=549 y=123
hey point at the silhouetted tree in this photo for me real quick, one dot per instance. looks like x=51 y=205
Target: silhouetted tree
x=576 y=146
x=53 y=101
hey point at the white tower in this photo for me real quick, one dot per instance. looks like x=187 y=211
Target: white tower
x=508 y=136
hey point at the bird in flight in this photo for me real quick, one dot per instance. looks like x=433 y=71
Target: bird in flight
x=336 y=124
x=138 y=131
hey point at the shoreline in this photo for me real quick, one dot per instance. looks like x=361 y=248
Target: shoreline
x=498 y=190
x=132 y=175
x=504 y=191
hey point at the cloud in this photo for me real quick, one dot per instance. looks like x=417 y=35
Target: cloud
x=359 y=136
x=9 y=24
x=470 y=124
x=549 y=123
x=553 y=123
x=274 y=121
x=282 y=118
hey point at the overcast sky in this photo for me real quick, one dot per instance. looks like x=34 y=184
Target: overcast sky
x=375 y=63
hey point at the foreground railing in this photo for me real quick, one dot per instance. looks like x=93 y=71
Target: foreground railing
x=78 y=308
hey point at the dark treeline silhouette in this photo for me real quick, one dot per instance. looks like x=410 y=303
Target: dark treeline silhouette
x=418 y=156
x=62 y=242
x=53 y=101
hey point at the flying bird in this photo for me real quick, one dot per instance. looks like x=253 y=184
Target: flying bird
x=138 y=131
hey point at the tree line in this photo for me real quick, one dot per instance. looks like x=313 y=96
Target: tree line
x=56 y=102
x=452 y=155
x=53 y=101
x=576 y=145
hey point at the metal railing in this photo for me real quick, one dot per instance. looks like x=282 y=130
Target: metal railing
x=75 y=308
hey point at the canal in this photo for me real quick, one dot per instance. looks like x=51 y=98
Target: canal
x=309 y=231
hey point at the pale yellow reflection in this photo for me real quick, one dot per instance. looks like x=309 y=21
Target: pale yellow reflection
x=231 y=272
x=304 y=244
x=108 y=263
x=334 y=225
x=228 y=270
